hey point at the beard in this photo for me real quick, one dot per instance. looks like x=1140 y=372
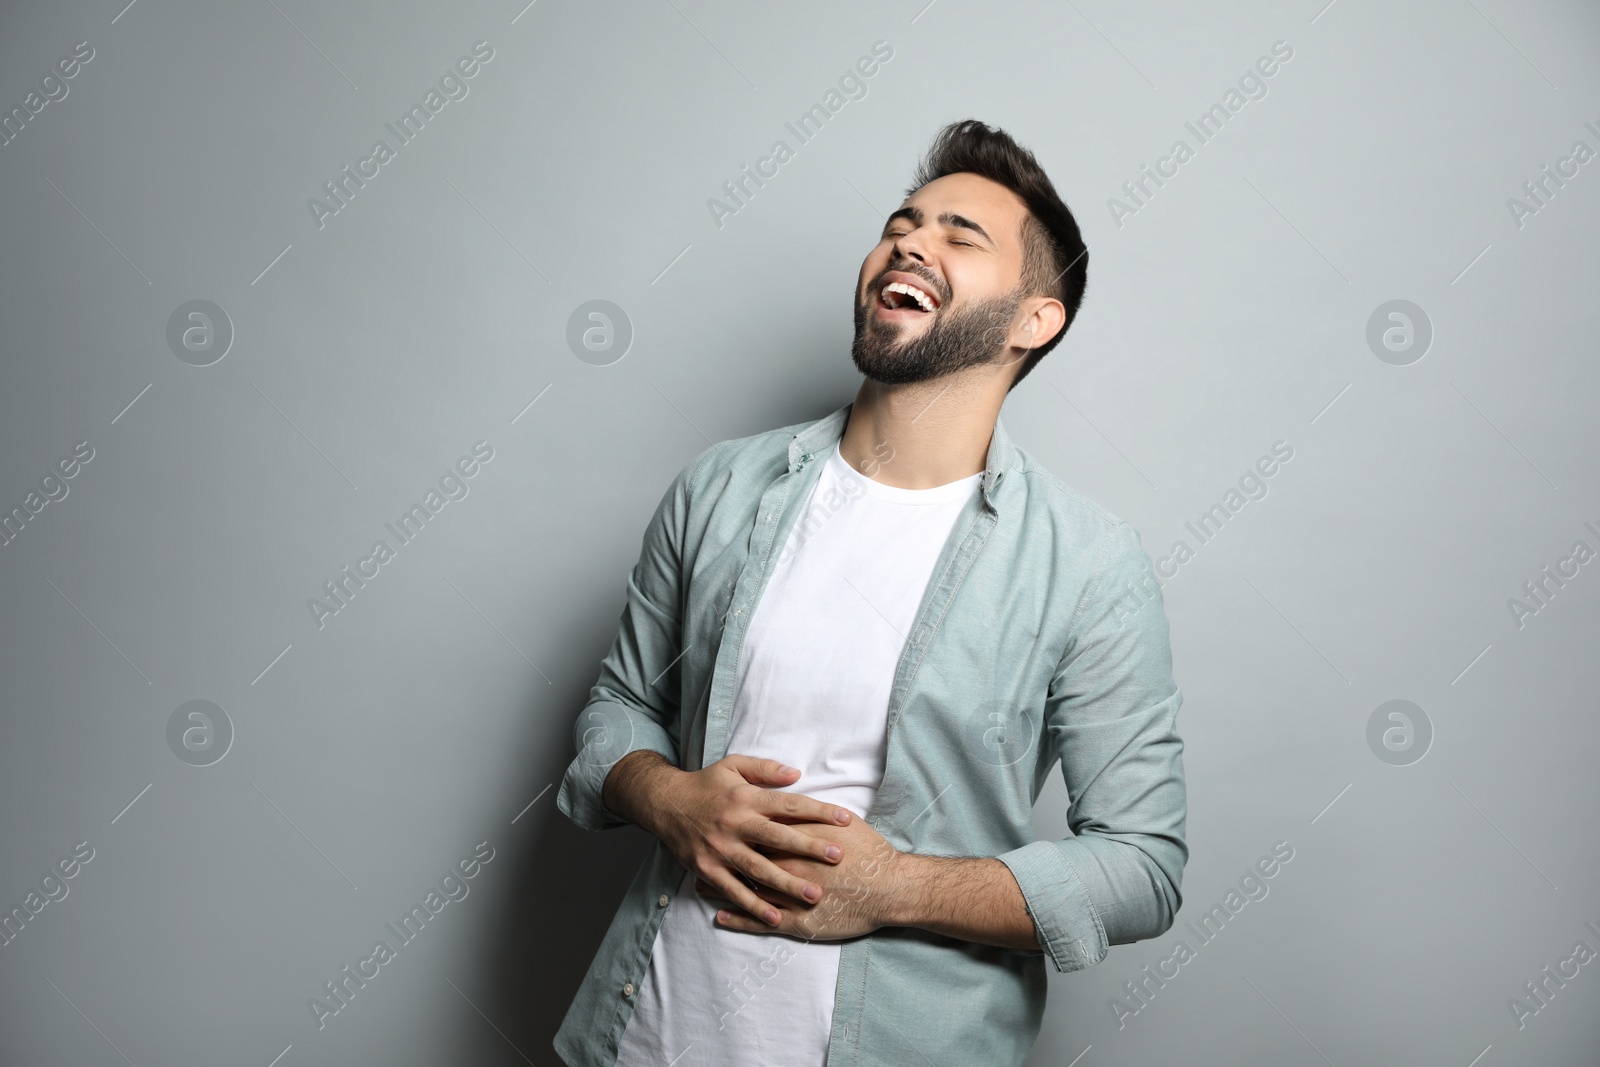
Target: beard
x=959 y=337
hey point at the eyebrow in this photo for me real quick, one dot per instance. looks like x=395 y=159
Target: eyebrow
x=948 y=218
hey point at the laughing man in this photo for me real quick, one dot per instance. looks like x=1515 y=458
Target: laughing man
x=852 y=652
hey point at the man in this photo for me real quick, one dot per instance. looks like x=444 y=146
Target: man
x=851 y=653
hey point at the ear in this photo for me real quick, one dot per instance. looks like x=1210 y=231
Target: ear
x=1044 y=317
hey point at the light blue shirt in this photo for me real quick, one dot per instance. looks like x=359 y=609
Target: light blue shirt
x=1041 y=637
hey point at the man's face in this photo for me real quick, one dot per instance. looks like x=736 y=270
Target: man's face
x=958 y=240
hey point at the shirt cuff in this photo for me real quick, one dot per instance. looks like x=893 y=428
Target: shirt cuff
x=609 y=731
x=1064 y=916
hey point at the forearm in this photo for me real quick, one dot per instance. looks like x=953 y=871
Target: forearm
x=969 y=899
x=628 y=788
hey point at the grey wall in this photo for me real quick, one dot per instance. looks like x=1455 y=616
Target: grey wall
x=341 y=768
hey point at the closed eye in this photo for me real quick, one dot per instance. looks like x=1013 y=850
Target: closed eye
x=901 y=233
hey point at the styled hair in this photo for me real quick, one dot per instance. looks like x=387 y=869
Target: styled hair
x=1055 y=261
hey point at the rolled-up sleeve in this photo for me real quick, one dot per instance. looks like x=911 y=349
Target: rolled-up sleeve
x=1111 y=715
x=634 y=704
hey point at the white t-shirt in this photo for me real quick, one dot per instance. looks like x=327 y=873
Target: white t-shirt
x=814 y=677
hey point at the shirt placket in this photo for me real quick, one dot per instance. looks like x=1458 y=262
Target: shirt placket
x=771 y=523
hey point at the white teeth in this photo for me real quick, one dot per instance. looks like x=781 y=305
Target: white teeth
x=913 y=292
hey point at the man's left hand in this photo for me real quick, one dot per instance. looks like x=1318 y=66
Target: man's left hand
x=858 y=892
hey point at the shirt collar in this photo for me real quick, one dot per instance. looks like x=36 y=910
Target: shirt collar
x=816 y=437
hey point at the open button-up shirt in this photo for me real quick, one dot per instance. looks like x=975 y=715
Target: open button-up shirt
x=1041 y=637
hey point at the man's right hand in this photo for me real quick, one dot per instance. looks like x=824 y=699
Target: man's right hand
x=713 y=821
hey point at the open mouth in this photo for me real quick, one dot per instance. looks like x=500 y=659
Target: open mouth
x=899 y=300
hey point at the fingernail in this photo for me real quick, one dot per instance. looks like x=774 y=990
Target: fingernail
x=812 y=892
x=784 y=768
x=772 y=917
x=841 y=815
x=832 y=852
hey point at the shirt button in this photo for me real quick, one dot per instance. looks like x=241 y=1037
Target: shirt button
x=627 y=990
x=661 y=901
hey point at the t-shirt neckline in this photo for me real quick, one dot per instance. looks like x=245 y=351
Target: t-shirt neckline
x=937 y=494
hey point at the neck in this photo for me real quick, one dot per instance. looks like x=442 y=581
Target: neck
x=921 y=435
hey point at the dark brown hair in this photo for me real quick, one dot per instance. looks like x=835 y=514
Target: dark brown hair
x=1055 y=260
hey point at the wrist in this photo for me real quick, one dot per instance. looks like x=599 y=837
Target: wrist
x=909 y=883
x=629 y=787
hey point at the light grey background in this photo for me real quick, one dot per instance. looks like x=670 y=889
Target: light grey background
x=433 y=712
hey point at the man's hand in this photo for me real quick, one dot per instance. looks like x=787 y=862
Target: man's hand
x=719 y=822
x=859 y=892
